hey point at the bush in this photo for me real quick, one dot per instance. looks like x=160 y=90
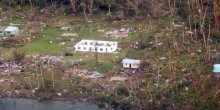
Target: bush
x=68 y=54
x=10 y=43
x=122 y=91
x=18 y=56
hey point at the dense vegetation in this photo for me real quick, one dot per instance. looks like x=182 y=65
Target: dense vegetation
x=199 y=14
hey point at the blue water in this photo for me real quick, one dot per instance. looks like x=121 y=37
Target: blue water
x=28 y=104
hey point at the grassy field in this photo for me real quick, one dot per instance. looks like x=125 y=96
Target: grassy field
x=41 y=46
x=15 y=19
x=51 y=32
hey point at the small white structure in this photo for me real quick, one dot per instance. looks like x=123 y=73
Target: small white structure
x=216 y=68
x=131 y=63
x=11 y=30
x=70 y=35
x=65 y=28
x=96 y=46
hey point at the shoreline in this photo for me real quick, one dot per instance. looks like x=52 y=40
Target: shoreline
x=52 y=97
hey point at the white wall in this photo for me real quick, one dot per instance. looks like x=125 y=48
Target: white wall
x=102 y=46
x=133 y=66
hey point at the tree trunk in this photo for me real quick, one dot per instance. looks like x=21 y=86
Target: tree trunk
x=91 y=6
x=153 y=8
x=73 y=3
x=9 y=2
x=134 y=6
x=84 y=12
x=52 y=75
x=21 y=2
x=42 y=78
x=215 y=10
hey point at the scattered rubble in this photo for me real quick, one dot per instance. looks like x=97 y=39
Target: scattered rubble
x=75 y=72
x=47 y=59
x=121 y=33
x=95 y=75
x=104 y=86
x=118 y=78
x=69 y=35
x=65 y=28
x=59 y=94
x=77 y=61
x=163 y=58
x=85 y=74
x=10 y=67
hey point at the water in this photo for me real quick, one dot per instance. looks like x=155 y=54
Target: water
x=28 y=104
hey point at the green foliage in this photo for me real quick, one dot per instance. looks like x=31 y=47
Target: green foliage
x=122 y=90
x=49 y=86
x=107 y=2
x=18 y=56
x=83 y=5
x=10 y=43
x=41 y=44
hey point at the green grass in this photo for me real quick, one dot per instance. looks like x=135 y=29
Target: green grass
x=103 y=67
x=87 y=33
x=7 y=53
x=132 y=37
x=41 y=45
x=15 y=19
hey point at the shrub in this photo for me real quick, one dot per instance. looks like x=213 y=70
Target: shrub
x=122 y=91
x=18 y=56
x=68 y=54
x=10 y=43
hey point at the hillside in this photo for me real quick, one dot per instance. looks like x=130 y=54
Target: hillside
x=176 y=41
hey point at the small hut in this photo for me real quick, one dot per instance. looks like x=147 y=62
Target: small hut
x=131 y=63
x=11 y=31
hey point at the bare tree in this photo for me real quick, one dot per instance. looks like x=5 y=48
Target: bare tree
x=83 y=5
x=73 y=4
x=42 y=78
x=134 y=5
x=31 y=3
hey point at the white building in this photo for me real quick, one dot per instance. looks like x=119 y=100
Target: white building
x=131 y=63
x=8 y=30
x=11 y=30
x=96 y=46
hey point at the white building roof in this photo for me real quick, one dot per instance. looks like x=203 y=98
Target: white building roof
x=99 y=43
x=131 y=61
x=11 y=28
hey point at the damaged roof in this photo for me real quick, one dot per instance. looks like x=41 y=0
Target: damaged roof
x=11 y=28
x=131 y=61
